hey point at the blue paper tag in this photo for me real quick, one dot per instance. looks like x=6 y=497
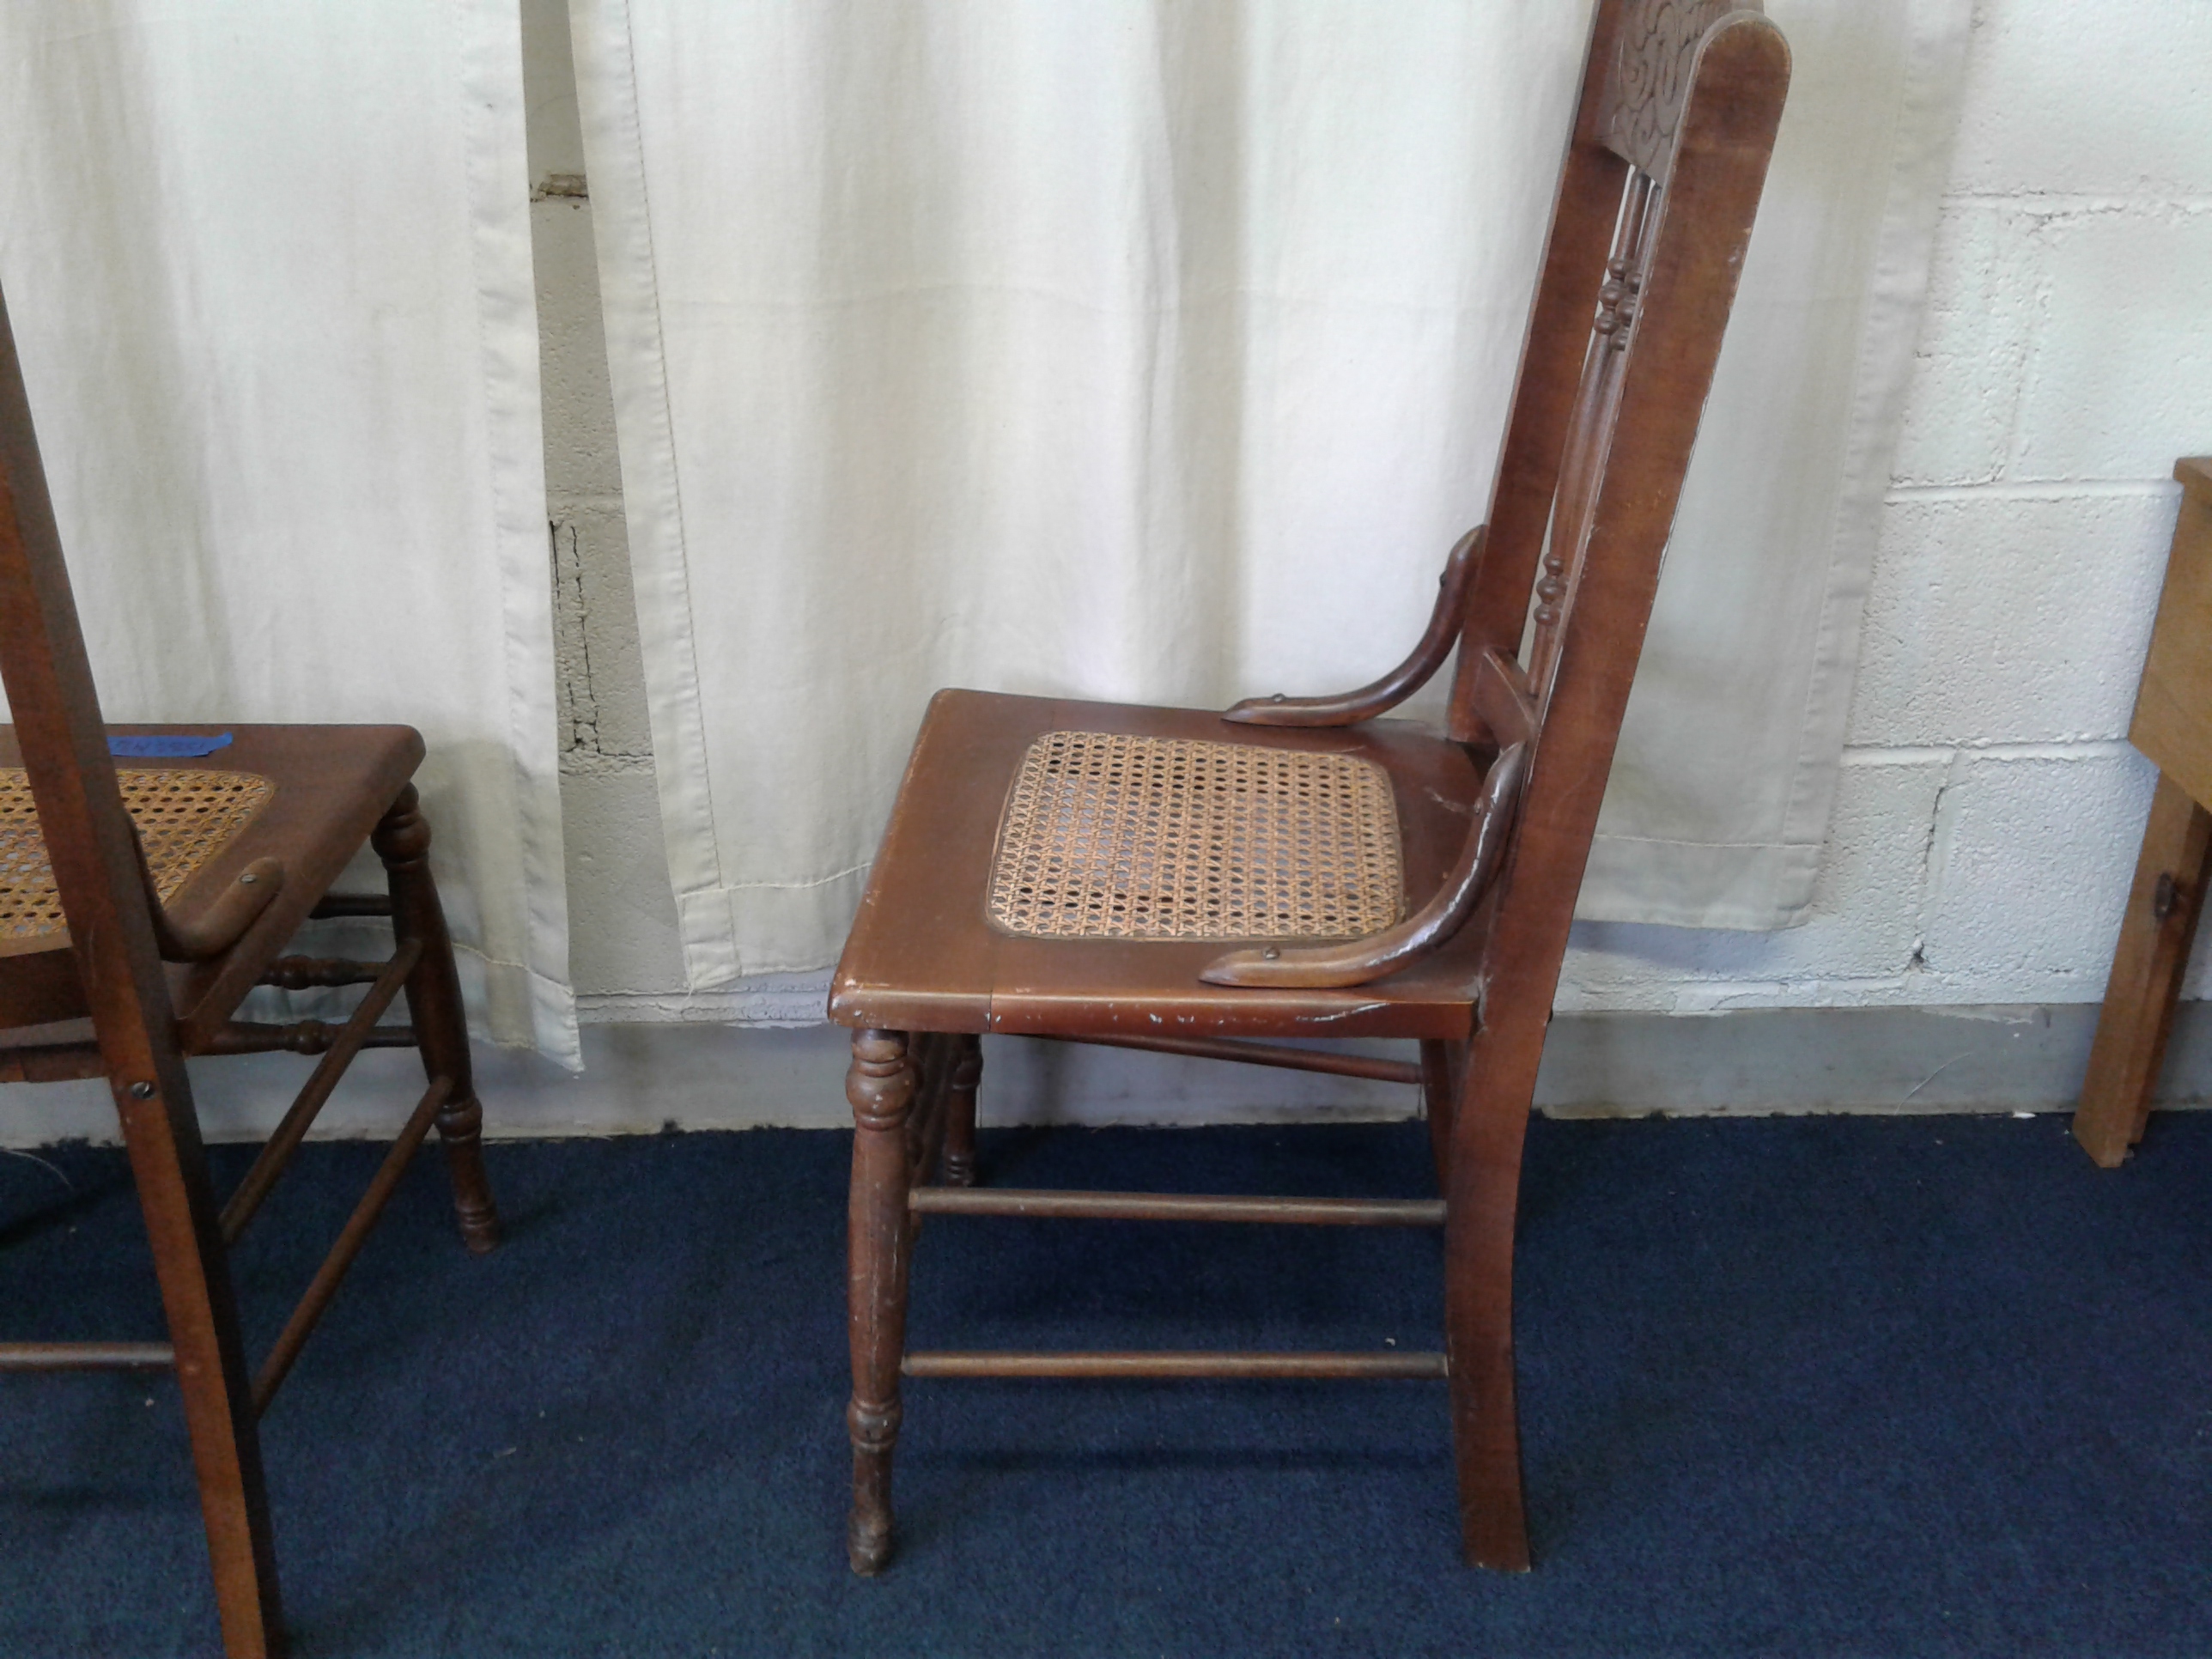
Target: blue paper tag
x=182 y=745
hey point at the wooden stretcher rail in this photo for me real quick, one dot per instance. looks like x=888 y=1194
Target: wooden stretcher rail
x=1177 y=1207
x=1196 y=1365
x=1266 y=1053
x=301 y=1036
x=277 y=1154
x=286 y=1348
x=352 y=904
x=86 y=1356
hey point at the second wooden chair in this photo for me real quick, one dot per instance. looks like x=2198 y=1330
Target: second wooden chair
x=138 y=906
x=1152 y=879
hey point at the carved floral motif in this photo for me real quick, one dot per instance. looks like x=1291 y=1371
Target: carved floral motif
x=1651 y=60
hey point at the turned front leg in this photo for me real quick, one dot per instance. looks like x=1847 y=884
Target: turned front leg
x=402 y=840
x=880 y=1086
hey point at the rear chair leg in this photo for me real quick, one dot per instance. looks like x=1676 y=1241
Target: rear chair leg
x=402 y=840
x=880 y=1085
x=162 y=1136
x=1482 y=1191
x=960 y=1113
x=1437 y=1103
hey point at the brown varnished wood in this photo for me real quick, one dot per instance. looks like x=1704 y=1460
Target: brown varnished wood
x=94 y=853
x=933 y=1056
x=880 y=1088
x=301 y=972
x=1648 y=76
x=922 y=955
x=402 y=841
x=1502 y=699
x=1204 y=1365
x=227 y=915
x=303 y=1036
x=1440 y=1063
x=1177 y=1207
x=135 y=987
x=87 y=1356
x=1243 y=1053
x=2172 y=727
x=1590 y=435
x=1586 y=207
x=276 y=1365
x=958 y=1166
x=333 y=784
x=1429 y=654
x=1704 y=221
x=1639 y=272
x=2156 y=932
x=277 y=1153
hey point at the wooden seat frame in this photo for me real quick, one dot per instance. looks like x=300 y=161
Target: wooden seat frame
x=136 y=988
x=1546 y=608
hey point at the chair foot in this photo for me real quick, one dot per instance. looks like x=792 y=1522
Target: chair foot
x=874 y=1430
x=1496 y=1535
x=161 y=1133
x=460 y=1126
x=1486 y=1446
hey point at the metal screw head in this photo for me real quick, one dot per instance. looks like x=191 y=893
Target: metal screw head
x=248 y=879
x=1272 y=953
x=141 y=1090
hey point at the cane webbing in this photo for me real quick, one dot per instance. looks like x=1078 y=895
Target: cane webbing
x=1108 y=836
x=185 y=817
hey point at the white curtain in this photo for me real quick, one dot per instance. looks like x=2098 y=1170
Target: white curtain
x=1159 y=351
x=1718 y=805
x=269 y=267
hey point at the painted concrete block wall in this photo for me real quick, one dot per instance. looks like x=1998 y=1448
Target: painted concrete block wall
x=1989 y=806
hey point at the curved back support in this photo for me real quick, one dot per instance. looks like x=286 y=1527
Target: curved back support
x=1661 y=181
x=1666 y=83
x=1607 y=461
x=90 y=843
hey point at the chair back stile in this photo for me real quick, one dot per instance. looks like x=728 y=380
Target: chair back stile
x=99 y=874
x=1656 y=201
x=89 y=839
x=1555 y=353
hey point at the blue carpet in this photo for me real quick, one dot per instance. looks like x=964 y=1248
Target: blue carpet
x=1928 y=1385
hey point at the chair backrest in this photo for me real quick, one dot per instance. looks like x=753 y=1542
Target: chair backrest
x=1680 y=101
x=89 y=841
x=1658 y=193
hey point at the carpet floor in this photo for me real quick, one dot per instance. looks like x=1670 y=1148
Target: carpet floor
x=1841 y=1385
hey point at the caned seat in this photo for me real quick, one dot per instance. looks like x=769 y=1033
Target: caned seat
x=932 y=949
x=311 y=795
x=1235 y=886
x=1113 y=834
x=185 y=817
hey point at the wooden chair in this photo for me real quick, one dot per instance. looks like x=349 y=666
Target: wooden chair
x=1074 y=871
x=138 y=907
